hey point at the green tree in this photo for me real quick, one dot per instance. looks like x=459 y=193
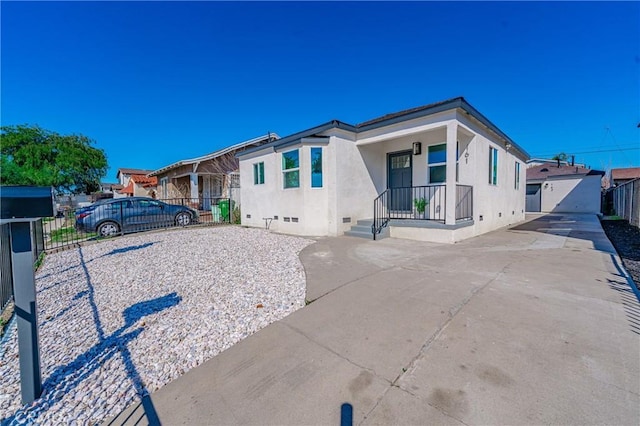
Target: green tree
x=30 y=155
x=562 y=157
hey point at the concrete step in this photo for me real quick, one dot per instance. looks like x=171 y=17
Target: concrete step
x=362 y=229
x=368 y=235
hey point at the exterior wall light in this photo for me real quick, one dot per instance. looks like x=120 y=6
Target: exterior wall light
x=417 y=148
x=508 y=146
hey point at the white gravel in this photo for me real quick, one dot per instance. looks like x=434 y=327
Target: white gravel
x=124 y=317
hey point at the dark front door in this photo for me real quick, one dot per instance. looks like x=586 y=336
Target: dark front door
x=533 y=197
x=400 y=181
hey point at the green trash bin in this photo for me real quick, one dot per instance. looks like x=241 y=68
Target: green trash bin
x=215 y=213
x=225 y=210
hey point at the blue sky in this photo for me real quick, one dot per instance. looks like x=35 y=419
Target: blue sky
x=156 y=82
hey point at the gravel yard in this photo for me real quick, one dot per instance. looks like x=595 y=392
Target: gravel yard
x=124 y=317
x=626 y=239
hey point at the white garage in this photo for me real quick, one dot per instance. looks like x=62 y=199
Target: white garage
x=553 y=187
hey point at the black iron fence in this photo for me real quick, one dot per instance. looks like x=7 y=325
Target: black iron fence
x=6 y=278
x=421 y=203
x=111 y=217
x=6 y=282
x=464 y=202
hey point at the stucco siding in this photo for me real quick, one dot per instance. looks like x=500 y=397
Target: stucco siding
x=580 y=194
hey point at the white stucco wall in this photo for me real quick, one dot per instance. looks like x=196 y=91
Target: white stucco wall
x=309 y=206
x=579 y=194
x=500 y=205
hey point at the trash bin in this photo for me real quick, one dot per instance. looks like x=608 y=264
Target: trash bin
x=215 y=213
x=225 y=210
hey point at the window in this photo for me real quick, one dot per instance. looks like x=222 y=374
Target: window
x=493 y=166
x=235 y=180
x=164 y=183
x=517 y=182
x=316 y=167
x=437 y=158
x=258 y=173
x=291 y=169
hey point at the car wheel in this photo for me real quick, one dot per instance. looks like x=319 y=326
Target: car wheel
x=183 y=219
x=108 y=229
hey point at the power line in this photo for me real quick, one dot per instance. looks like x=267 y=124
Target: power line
x=591 y=152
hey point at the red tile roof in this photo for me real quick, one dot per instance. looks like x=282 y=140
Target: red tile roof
x=144 y=180
x=127 y=189
x=544 y=171
x=626 y=173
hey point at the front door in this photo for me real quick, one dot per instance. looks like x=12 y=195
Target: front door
x=400 y=180
x=533 y=197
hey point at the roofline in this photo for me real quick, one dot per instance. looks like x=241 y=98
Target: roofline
x=295 y=138
x=447 y=105
x=214 y=154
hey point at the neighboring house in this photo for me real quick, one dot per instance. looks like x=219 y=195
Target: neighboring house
x=554 y=187
x=440 y=172
x=124 y=175
x=110 y=188
x=539 y=161
x=200 y=181
x=620 y=176
x=140 y=186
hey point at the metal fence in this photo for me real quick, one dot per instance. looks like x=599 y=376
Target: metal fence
x=111 y=217
x=6 y=282
x=6 y=277
x=626 y=201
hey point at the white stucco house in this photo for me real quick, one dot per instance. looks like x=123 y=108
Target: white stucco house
x=440 y=172
x=565 y=188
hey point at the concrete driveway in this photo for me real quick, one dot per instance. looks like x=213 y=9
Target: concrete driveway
x=528 y=325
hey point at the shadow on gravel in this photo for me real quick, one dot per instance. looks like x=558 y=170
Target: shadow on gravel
x=125 y=250
x=67 y=377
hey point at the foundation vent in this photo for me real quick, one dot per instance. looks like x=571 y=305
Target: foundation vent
x=294 y=219
x=346 y=220
x=286 y=219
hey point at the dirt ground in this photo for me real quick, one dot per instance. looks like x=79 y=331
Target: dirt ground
x=626 y=240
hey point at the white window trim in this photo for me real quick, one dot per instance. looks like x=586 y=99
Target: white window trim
x=493 y=166
x=311 y=168
x=442 y=163
x=256 y=173
x=284 y=171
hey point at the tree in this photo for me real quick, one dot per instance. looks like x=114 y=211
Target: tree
x=562 y=157
x=30 y=155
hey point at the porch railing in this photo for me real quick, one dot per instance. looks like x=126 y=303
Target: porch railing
x=464 y=202
x=419 y=203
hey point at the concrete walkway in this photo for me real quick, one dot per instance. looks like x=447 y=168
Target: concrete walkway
x=529 y=325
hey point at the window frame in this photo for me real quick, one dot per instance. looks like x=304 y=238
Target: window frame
x=443 y=163
x=517 y=176
x=321 y=173
x=493 y=166
x=286 y=171
x=258 y=173
x=437 y=164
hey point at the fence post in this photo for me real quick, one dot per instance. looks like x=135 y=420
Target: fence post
x=26 y=311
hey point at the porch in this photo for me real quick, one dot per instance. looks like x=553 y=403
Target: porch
x=416 y=207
